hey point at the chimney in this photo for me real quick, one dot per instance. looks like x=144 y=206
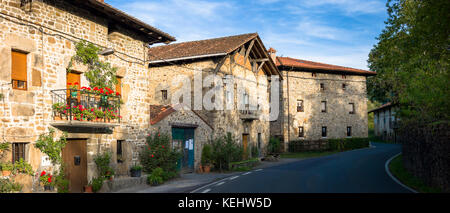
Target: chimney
x=272 y=54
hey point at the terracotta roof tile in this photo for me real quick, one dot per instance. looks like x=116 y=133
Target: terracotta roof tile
x=159 y=112
x=311 y=65
x=381 y=107
x=223 y=45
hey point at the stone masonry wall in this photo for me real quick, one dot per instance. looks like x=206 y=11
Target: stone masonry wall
x=26 y=114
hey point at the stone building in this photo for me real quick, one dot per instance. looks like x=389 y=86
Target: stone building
x=320 y=101
x=385 y=122
x=242 y=58
x=36 y=44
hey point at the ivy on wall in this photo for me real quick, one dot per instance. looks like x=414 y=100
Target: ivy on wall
x=99 y=74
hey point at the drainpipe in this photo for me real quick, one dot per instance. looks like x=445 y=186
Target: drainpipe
x=288 y=108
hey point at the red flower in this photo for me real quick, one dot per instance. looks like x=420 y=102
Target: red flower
x=69 y=84
x=49 y=179
x=117 y=93
x=152 y=155
x=76 y=83
x=42 y=173
x=96 y=88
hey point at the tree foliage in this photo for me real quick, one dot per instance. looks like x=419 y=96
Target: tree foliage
x=99 y=74
x=412 y=60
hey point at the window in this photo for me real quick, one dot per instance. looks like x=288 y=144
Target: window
x=344 y=86
x=344 y=76
x=164 y=94
x=322 y=87
x=314 y=74
x=323 y=106
x=119 y=85
x=18 y=151
x=301 y=132
x=19 y=70
x=352 y=108
x=119 y=151
x=300 y=106
x=324 y=131
x=349 y=131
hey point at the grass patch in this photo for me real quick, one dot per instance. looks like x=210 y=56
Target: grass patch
x=309 y=154
x=397 y=169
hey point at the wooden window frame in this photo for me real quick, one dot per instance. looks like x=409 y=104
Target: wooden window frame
x=15 y=81
x=324 y=110
x=21 y=146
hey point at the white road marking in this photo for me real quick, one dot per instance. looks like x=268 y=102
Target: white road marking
x=246 y=173
x=232 y=178
x=386 y=167
x=258 y=170
x=220 y=183
x=207 y=190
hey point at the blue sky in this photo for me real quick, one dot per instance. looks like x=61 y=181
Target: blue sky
x=339 y=32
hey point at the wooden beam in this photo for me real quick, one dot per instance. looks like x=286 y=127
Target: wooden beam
x=248 y=50
x=260 y=60
x=260 y=66
x=220 y=64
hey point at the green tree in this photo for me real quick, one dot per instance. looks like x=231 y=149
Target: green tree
x=412 y=60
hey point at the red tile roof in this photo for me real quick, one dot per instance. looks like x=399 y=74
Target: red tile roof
x=311 y=65
x=215 y=46
x=389 y=104
x=159 y=112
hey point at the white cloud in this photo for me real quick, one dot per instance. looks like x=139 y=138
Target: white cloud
x=350 y=6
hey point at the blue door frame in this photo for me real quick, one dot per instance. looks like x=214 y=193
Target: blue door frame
x=184 y=136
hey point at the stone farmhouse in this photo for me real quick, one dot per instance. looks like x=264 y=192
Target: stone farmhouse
x=320 y=101
x=385 y=122
x=242 y=57
x=36 y=44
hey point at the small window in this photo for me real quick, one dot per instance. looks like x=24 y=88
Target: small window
x=344 y=86
x=300 y=106
x=323 y=106
x=322 y=87
x=352 y=108
x=18 y=151
x=324 y=131
x=301 y=132
x=344 y=77
x=19 y=70
x=314 y=74
x=164 y=94
x=119 y=149
x=349 y=131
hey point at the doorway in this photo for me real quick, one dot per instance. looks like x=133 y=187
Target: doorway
x=75 y=159
x=183 y=139
x=245 y=145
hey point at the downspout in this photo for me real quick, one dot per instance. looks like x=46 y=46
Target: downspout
x=288 y=108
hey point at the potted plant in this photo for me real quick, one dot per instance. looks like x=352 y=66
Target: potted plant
x=136 y=171
x=206 y=158
x=4 y=147
x=47 y=180
x=73 y=89
x=7 y=168
x=99 y=115
x=97 y=184
x=155 y=178
x=88 y=188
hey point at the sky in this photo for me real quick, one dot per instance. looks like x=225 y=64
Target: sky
x=339 y=32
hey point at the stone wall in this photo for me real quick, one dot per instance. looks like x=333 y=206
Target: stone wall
x=27 y=114
x=425 y=153
x=303 y=86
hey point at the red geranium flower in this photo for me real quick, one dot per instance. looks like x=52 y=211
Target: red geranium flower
x=117 y=93
x=49 y=179
x=76 y=83
x=42 y=173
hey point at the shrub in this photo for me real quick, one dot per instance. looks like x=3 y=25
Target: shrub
x=7 y=186
x=102 y=161
x=225 y=150
x=254 y=152
x=97 y=183
x=61 y=182
x=158 y=154
x=156 y=177
x=22 y=166
x=167 y=175
x=207 y=154
x=8 y=166
x=274 y=145
x=46 y=144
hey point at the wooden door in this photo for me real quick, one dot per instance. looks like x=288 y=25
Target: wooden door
x=72 y=79
x=75 y=159
x=245 y=144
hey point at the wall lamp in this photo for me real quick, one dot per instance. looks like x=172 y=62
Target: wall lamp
x=107 y=51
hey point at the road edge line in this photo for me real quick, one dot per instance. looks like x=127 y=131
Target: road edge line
x=386 y=167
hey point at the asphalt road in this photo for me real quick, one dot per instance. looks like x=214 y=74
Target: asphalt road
x=357 y=171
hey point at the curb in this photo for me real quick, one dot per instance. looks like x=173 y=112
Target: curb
x=386 y=167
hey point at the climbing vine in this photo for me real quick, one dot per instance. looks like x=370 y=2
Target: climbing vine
x=99 y=74
x=51 y=147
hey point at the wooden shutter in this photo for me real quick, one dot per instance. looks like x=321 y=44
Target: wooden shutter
x=19 y=66
x=119 y=85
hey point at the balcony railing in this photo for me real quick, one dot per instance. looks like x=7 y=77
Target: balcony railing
x=85 y=106
x=247 y=114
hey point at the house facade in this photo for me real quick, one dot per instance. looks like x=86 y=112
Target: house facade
x=238 y=66
x=320 y=101
x=385 y=122
x=37 y=41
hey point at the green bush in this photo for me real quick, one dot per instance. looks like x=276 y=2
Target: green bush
x=274 y=145
x=207 y=154
x=102 y=161
x=97 y=183
x=156 y=177
x=23 y=167
x=61 y=182
x=8 y=186
x=8 y=166
x=225 y=150
x=158 y=154
x=167 y=175
x=254 y=152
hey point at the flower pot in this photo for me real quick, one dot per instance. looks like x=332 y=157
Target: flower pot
x=74 y=94
x=88 y=189
x=206 y=168
x=135 y=173
x=48 y=188
x=6 y=173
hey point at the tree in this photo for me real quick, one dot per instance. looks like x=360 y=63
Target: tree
x=412 y=60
